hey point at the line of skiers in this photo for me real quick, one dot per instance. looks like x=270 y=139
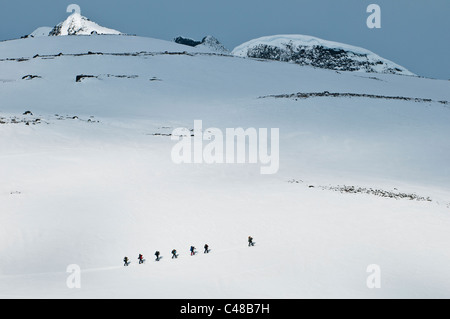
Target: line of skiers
x=175 y=255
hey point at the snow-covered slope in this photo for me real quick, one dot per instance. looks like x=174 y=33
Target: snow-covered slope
x=131 y=45
x=307 y=50
x=40 y=32
x=88 y=178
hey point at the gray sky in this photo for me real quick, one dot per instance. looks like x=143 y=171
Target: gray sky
x=414 y=33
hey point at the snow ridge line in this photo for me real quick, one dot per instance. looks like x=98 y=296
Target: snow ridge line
x=142 y=53
x=342 y=94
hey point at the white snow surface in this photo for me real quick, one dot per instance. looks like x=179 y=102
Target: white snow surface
x=90 y=183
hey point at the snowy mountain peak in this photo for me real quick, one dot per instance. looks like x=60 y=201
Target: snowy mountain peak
x=75 y=24
x=209 y=42
x=308 y=50
x=213 y=44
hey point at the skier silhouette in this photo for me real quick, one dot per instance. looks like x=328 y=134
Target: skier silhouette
x=157 y=255
x=174 y=254
x=206 y=249
x=125 y=260
x=141 y=259
x=250 y=241
x=192 y=250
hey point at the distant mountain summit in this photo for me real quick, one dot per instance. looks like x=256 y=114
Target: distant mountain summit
x=213 y=44
x=40 y=32
x=307 y=50
x=208 y=42
x=75 y=24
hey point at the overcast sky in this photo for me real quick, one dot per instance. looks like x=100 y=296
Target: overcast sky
x=414 y=33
